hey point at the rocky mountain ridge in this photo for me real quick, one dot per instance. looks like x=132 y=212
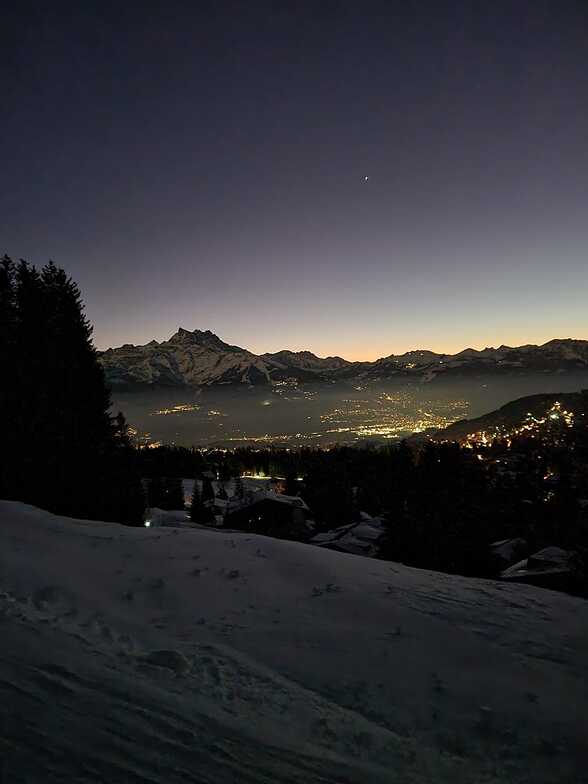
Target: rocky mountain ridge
x=200 y=358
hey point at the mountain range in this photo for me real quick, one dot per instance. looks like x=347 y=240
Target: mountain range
x=200 y=358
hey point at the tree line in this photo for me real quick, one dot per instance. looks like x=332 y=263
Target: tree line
x=443 y=504
x=62 y=449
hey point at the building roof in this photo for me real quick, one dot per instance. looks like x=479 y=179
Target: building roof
x=509 y=549
x=550 y=560
x=256 y=497
x=359 y=538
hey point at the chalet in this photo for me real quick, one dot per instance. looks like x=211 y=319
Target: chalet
x=271 y=514
x=360 y=538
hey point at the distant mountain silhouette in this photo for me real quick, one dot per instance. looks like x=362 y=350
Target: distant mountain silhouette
x=200 y=358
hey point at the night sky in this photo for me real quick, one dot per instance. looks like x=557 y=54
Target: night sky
x=204 y=165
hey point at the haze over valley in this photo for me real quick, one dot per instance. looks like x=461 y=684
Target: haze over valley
x=194 y=389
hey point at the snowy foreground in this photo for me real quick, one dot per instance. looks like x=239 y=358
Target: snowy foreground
x=165 y=655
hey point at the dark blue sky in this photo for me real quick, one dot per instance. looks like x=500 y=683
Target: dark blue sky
x=203 y=164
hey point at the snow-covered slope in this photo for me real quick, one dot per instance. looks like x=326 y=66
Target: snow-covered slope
x=306 y=360
x=168 y=656
x=201 y=358
x=187 y=358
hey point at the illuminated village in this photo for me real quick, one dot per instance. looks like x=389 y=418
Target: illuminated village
x=555 y=419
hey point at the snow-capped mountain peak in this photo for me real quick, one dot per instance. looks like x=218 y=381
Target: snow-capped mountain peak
x=205 y=339
x=199 y=357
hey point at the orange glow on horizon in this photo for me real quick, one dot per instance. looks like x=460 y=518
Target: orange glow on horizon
x=375 y=351
x=369 y=351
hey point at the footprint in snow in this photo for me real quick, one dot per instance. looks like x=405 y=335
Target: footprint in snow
x=54 y=599
x=168 y=659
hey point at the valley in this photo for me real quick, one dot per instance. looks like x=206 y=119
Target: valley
x=195 y=389
x=293 y=414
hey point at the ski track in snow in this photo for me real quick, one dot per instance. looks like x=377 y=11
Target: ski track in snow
x=167 y=655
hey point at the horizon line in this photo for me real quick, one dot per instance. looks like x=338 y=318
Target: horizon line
x=470 y=347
